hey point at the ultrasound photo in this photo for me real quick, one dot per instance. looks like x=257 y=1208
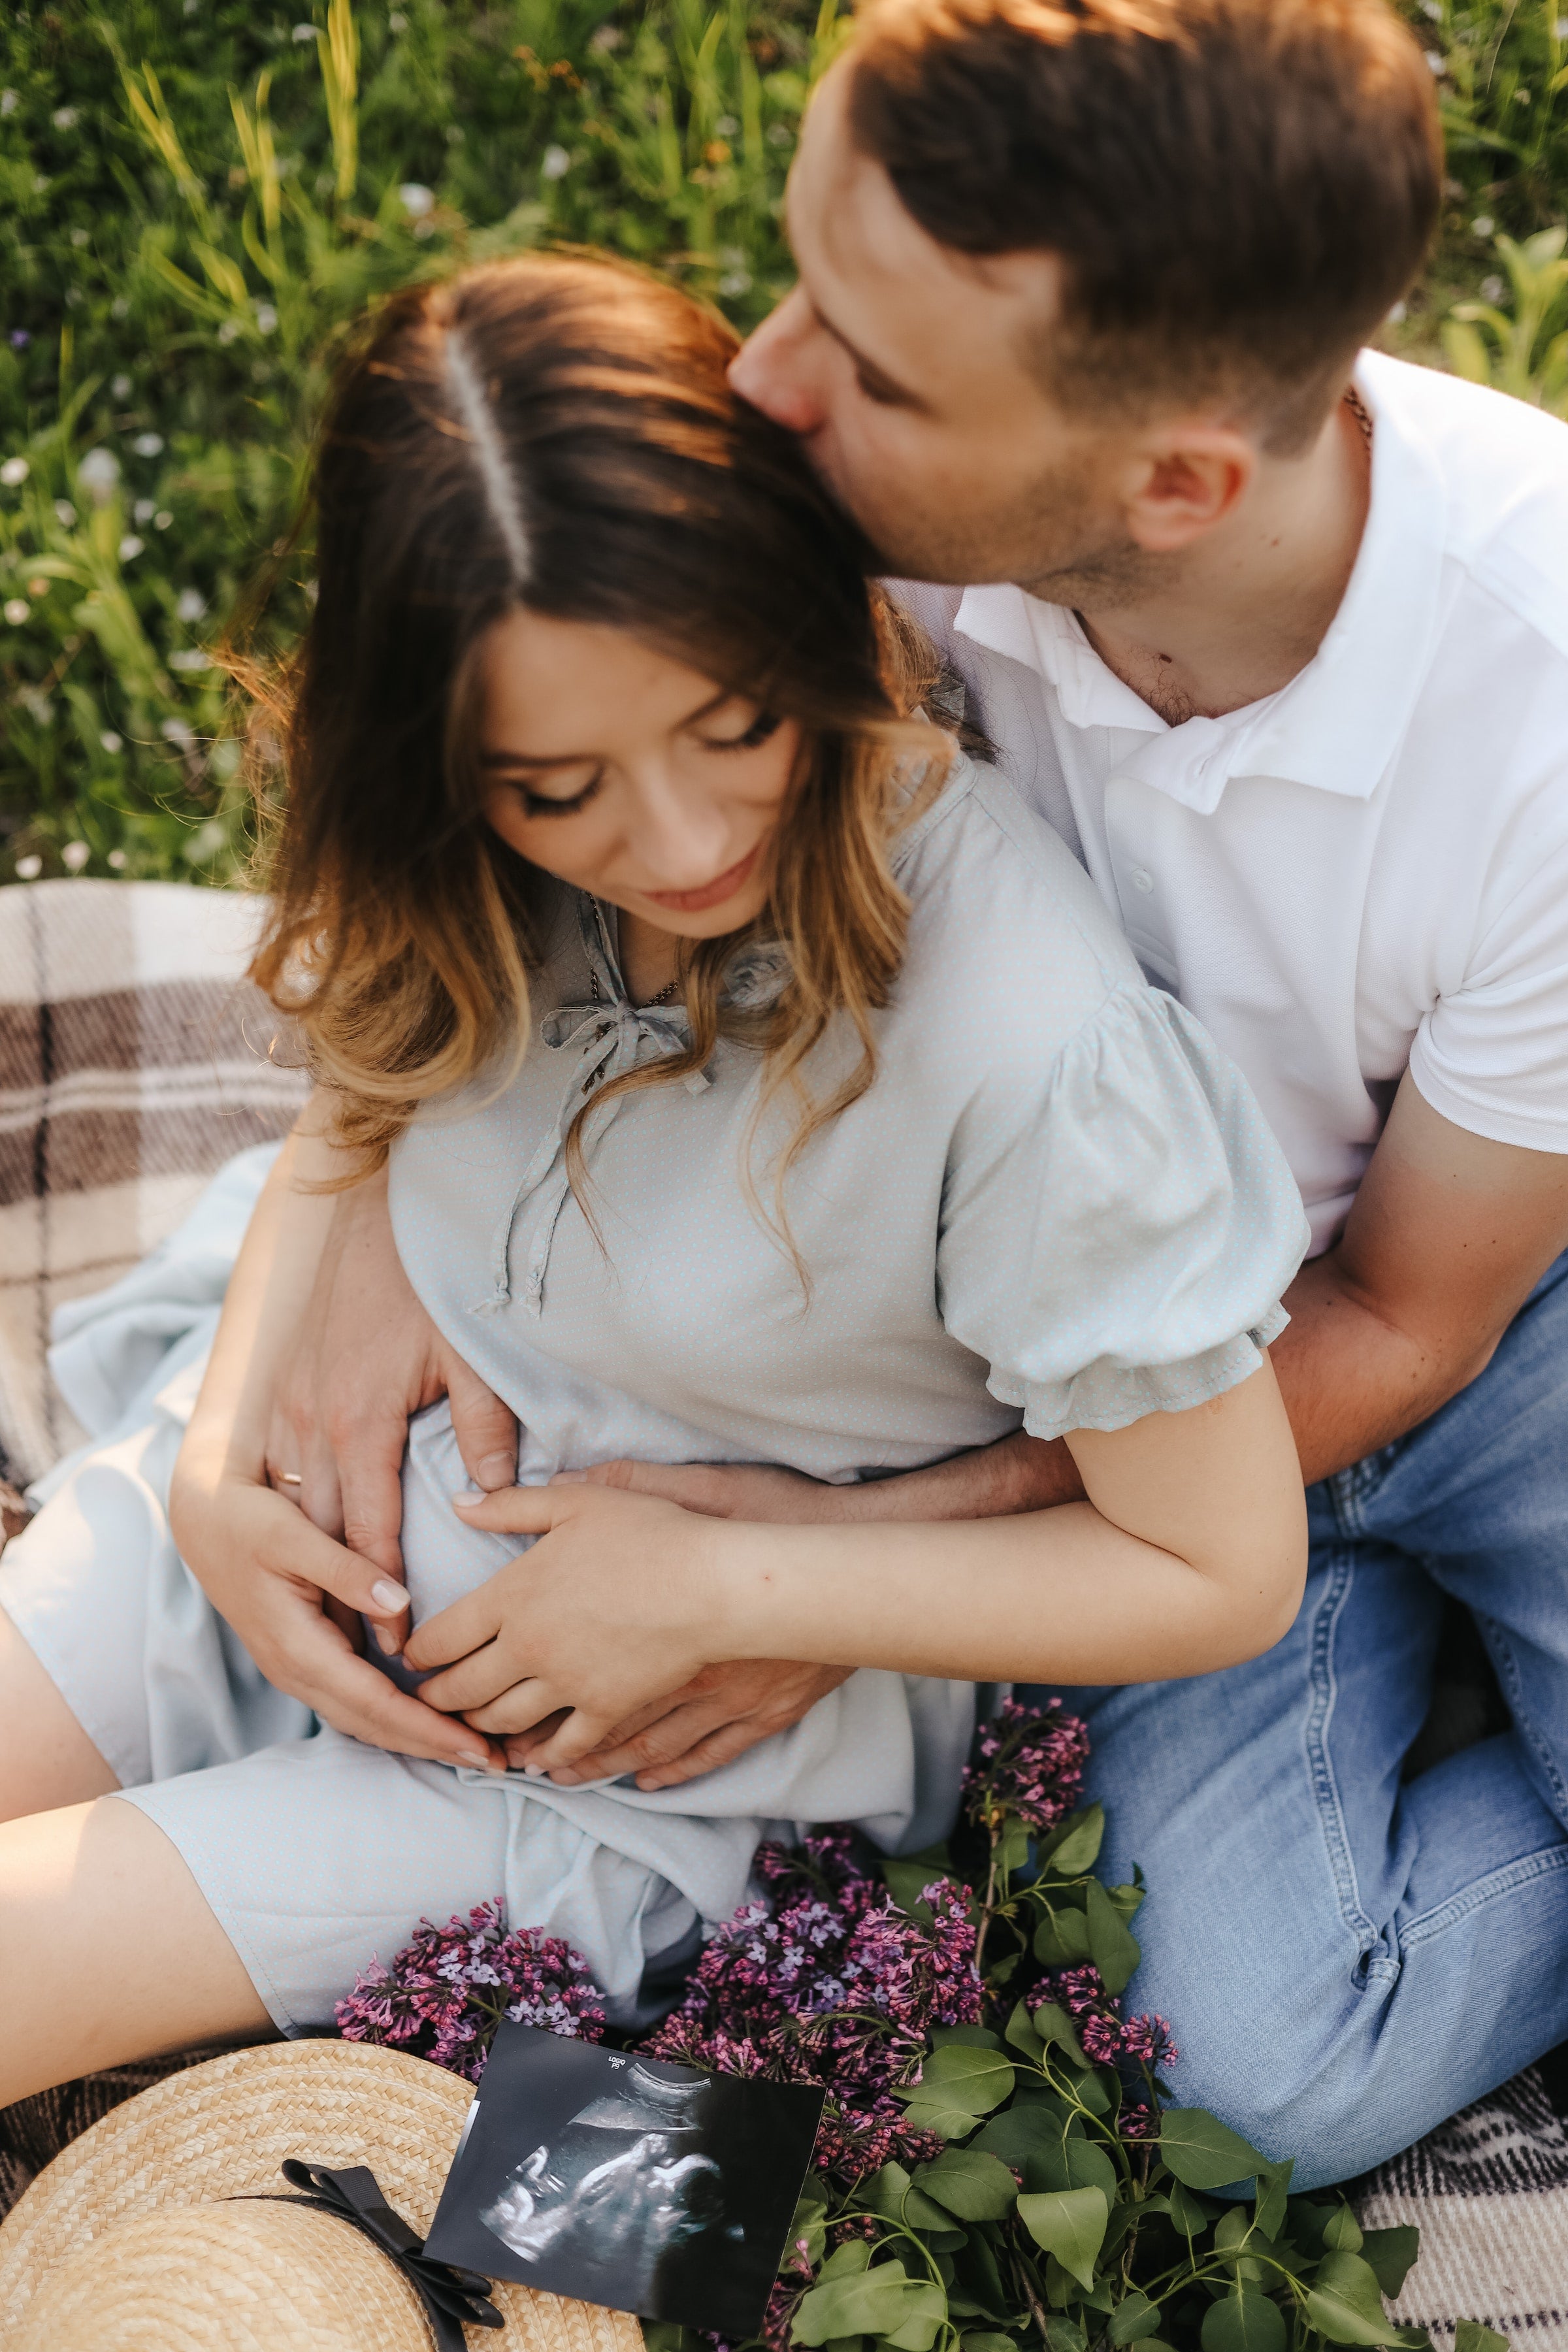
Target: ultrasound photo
x=623 y=2181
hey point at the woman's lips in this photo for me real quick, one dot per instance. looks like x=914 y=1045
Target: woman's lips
x=712 y=894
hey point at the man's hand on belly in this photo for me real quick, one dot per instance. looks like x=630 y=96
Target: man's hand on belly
x=717 y=1716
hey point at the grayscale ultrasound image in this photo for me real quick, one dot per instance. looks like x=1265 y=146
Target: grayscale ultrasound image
x=625 y=2181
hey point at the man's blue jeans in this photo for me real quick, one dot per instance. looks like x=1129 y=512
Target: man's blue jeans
x=1346 y=1960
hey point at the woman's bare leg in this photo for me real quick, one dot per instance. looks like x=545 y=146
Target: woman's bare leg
x=46 y=1757
x=107 y=1949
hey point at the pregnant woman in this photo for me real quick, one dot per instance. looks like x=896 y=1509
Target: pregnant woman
x=627 y=902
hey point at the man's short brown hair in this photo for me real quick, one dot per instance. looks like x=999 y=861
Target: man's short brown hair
x=1239 y=190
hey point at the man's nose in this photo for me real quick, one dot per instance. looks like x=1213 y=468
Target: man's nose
x=773 y=370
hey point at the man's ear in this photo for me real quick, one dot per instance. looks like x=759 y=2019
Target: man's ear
x=1181 y=480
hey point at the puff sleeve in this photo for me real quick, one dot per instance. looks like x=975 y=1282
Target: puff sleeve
x=1115 y=1241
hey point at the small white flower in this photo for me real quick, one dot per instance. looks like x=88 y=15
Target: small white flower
x=607 y=37
x=64 y=118
x=74 y=297
x=116 y=857
x=556 y=163
x=110 y=741
x=192 y=604
x=191 y=7
x=1492 y=289
x=16 y=610
x=304 y=32
x=28 y=868
x=265 y=317
x=726 y=127
x=40 y=183
x=148 y=445
x=142 y=511
x=74 y=856
x=737 y=282
x=79 y=237
x=209 y=842
x=163 y=519
x=190 y=657
x=1560 y=29
x=1483 y=225
x=66 y=513
x=1521 y=97
x=1432 y=9
x=14 y=472
x=415 y=201
x=119 y=307
x=9 y=102
x=780 y=134
x=1397 y=317
x=228 y=330
x=1438 y=65
x=397 y=22
x=98 y=474
x=130 y=546
x=177 y=731
x=120 y=387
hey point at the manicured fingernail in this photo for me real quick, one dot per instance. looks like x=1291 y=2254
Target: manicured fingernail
x=385 y=1641
x=570 y=1478
x=478 y=1756
x=496 y=1470
x=387 y=1595
x=469 y=1498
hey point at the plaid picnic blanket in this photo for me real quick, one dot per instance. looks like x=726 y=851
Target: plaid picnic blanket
x=134 y=1059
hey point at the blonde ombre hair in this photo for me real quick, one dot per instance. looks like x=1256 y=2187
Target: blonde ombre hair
x=562 y=435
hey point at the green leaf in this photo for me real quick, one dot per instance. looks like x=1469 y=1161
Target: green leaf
x=1471 y=2337
x=1112 y=1947
x=1052 y=2024
x=1061 y=1940
x=1078 y=1850
x=969 y=2182
x=982 y=2340
x=1244 y=2321
x=1021 y=2034
x=879 y=2302
x=1129 y=1900
x=1063 y=2335
x=1069 y=2223
x=891 y=2193
x=1273 y=2190
x=1133 y=2319
x=809 y=2223
x=958 y=2075
x=1341 y=2232
x=1072 y=2162
x=1345 y=2302
x=1022 y=2130
x=854 y=2254
x=1012 y=1849
x=1391 y=2256
x=1203 y=2152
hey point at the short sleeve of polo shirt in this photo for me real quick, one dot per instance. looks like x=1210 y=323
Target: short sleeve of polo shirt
x=1492 y=1054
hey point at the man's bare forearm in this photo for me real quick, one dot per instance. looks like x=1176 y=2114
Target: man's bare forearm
x=1018 y=1474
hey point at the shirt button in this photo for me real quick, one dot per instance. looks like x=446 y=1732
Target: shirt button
x=1142 y=879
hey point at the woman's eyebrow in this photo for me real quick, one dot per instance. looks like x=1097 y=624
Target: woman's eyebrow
x=578 y=759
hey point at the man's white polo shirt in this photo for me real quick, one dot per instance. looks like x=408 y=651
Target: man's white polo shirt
x=1370 y=868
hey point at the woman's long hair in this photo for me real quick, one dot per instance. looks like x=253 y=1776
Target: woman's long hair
x=562 y=435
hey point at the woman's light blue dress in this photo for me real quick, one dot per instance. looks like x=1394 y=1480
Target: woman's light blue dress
x=1057 y=1207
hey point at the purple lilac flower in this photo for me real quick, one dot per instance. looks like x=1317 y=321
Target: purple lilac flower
x=1108 y=2038
x=448 y=1989
x=1029 y=1761
x=828 y=1982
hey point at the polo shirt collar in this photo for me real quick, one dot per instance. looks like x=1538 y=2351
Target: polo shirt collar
x=1338 y=723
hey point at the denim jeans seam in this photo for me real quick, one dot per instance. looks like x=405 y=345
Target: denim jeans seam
x=1496 y=1639
x=1497 y=1884
x=1325 y=1787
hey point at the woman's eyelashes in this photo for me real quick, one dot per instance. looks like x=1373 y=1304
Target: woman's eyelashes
x=543 y=804
x=763 y=725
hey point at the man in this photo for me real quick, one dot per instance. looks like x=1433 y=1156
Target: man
x=1282 y=652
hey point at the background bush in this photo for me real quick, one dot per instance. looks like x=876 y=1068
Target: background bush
x=196 y=196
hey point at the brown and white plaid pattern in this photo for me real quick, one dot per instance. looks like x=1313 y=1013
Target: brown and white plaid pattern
x=133 y=1061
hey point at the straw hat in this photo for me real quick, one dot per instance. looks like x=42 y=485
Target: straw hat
x=124 y=2243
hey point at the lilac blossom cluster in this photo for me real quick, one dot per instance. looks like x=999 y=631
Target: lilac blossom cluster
x=1140 y=2045
x=827 y=1980
x=1029 y=1761
x=448 y=1989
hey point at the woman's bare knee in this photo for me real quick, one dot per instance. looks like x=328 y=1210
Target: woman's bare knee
x=107 y=1949
x=46 y=1757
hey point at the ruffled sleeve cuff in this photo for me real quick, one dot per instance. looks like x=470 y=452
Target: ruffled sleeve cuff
x=1112 y=1396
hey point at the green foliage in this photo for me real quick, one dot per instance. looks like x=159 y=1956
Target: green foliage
x=196 y=197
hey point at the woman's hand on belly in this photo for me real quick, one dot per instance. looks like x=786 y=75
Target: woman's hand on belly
x=616 y=1606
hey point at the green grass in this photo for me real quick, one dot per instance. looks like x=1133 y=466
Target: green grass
x=196 y=196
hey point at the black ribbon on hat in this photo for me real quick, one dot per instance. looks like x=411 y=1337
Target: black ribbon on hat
x=452 y=2297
